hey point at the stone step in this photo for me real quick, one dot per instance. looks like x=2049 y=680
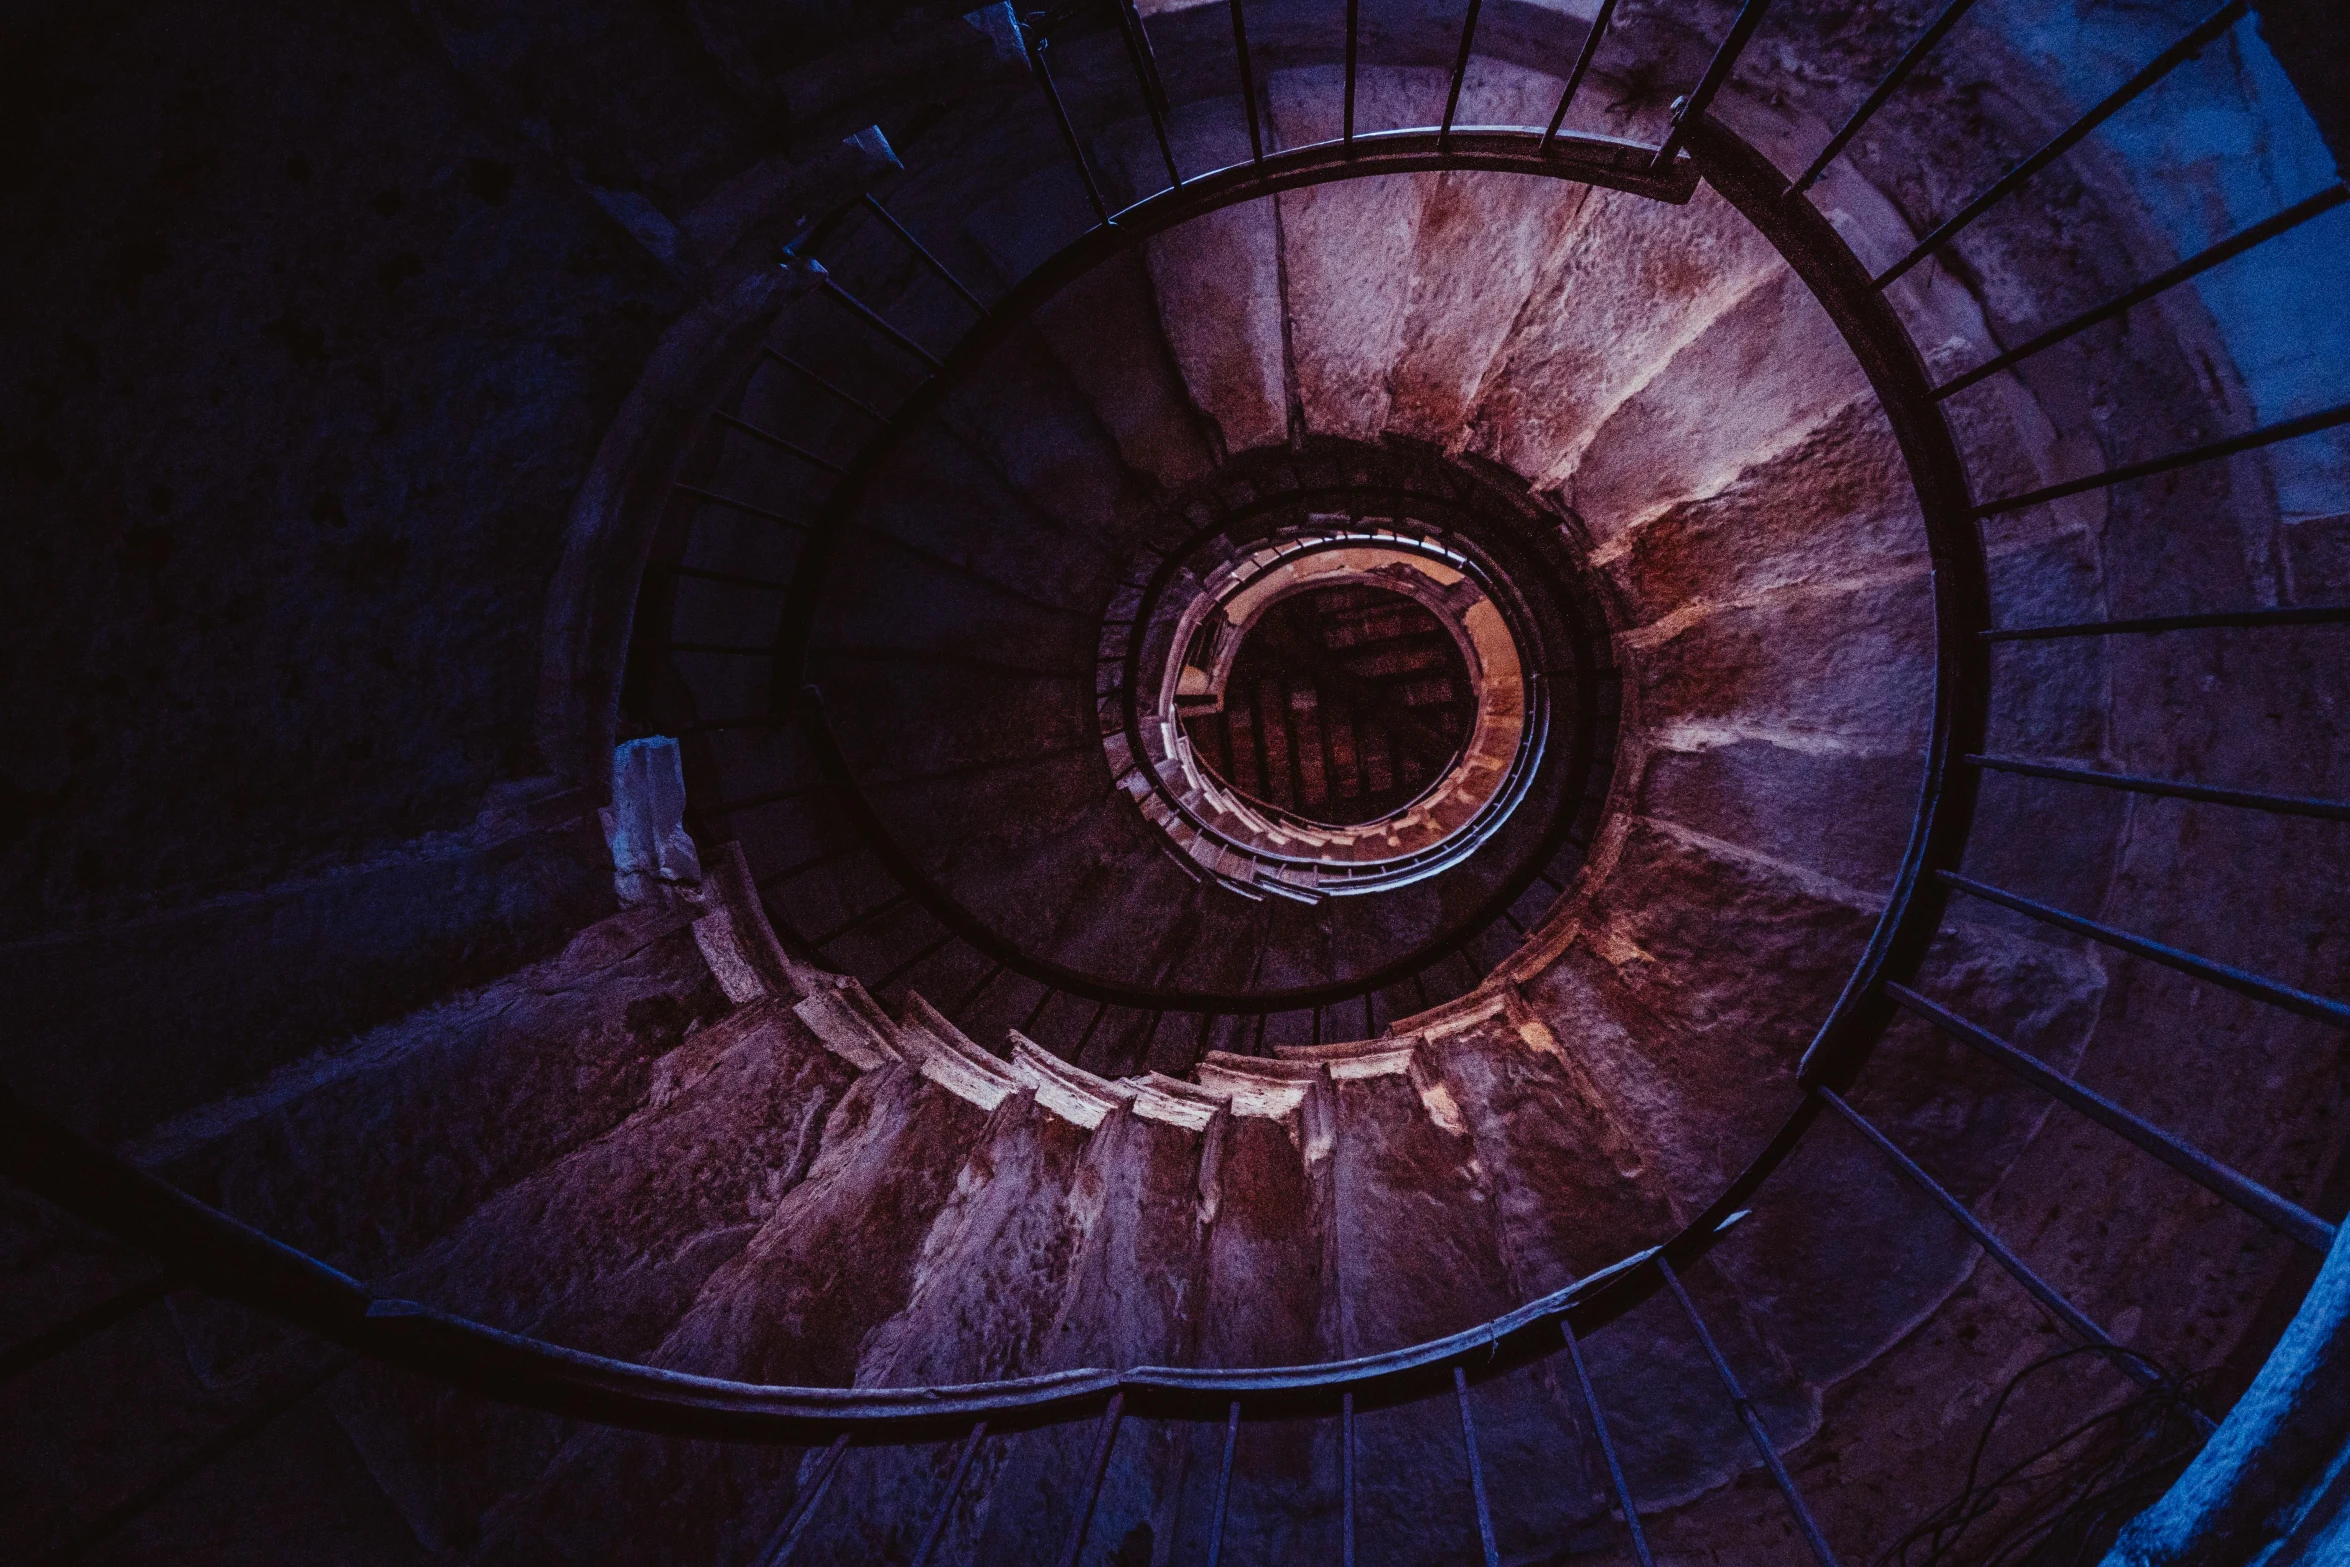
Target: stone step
x=1216 y=280
x=508 y=1077
x=601 y=1251
x=1620 y=293
x=839 y=1254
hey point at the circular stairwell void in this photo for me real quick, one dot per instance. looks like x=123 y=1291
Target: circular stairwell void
x=1323 y=655
x=1385 y=670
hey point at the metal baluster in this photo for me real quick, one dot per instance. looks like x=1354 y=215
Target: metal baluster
x=1884 y=90
x=1028 y=1026
x=1224 y=1483
x=1037 y=44
x=1146 y=75
x=753 y=801
x=1353 y=30
x=1460 y=1392
x=2066 y=1314
x=2296 y=615
x=2255 y=1199
x=946 y=1503
x=870 y=316
x=2250 y=440
x=1460 y=74
x=923 y=251
x=801 y=868
x=789 y=448
x=734 y=578
x=730 y=648
x=1370 y=1018
x=1753 y=1422
x=2202 y=261
x=871 y=914
x=1607 y=1447
x=1248 y=84
x=1093 y=1023
x=1105 y=1434
x=1717 y=71
x=764 y=514
x=1346 y=1479
x=895 y=974
x=2251 y=800
x=1591 y=38
x=2235 y=979
x=850 y=398
x=2162 y=65
x=795 y=1522
x=975 y=992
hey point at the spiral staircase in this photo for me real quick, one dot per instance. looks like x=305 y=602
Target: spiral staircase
x=1896 y=831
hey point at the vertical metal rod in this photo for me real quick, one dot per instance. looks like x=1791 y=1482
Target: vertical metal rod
x=946 y=1503
x=873 y=318
x=823 y=385
x=895 y=974
x=2202 y=261
x=1029 y=1026
x=923 y=251
x=1346 y=1479
x=1037 y=44
x=1370 y=1018
x=770 y=438
x=1591 y=38
x=1460 y=74
x=1092 y=1023
x=1317 y=1025
x=1607 y=1447
x=1753 y=1421
x=1884 y=90
x=2322 y=1008
x=795 y=1522
x=2155 y=70
x=1354 y=19
x=1717 y=71
x=2291 y=615
x=2266 y=435
x=1460 y=1391
x=2066 y=1314
x=871 y=914
x=1224 y=1483
x=1248 y=84
x=1154 y=92
x=976 y=992
x=1104 y=1435
x=2287 y=1218
x=1259 y=1047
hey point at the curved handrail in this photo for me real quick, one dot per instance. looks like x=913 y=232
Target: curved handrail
x=1585 y=159
x=210 y=1249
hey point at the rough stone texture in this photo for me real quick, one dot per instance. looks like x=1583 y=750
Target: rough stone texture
x=1618 y=298
x=993 y=1274
x=1219 y=300
x=835 y=1256
x=1349 y=248
x=507 y=1079
x=602 y=1251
